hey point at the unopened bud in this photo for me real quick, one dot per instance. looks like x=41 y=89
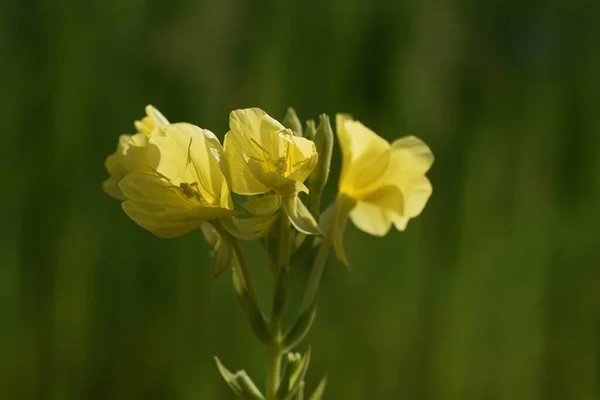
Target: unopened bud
x=292 y=122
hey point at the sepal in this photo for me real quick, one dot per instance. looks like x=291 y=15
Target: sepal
x=333 y=223
x=249 y=228
x=300 y=217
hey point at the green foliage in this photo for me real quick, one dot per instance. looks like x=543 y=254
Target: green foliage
x=492 y=293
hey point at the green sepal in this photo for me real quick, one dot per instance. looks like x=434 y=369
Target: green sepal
x=333 y=223
x=240 y=383
x=251 y=228
x=222 y=252
x=320 y=390
x=324 y=144
x=253 y=313
x=263 y=205
x=292 y=122
x=300 y=217
x=309 y=133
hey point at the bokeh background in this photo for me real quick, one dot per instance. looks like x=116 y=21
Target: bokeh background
x=493 y=293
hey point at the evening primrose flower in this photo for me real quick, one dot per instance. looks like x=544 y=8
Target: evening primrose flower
x=381 y=184
x=130 y=155
x=262 y=155
x=187 y=186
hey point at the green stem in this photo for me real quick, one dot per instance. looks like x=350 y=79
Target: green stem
x=314 y=279
x=273 y=370
x=275 y=351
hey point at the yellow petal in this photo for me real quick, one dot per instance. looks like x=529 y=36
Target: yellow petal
x=111 y=187
x=371 y=219
x=415 y=155
x=303 y=158
x=361 y=152
x=153 y=120
x=399 y=222
x=157 y=206
x=186 y=153
x=416 y=194
x=129 y=157
x=389 y=198
x=241 y=178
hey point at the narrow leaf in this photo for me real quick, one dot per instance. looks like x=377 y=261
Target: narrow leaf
x=320 y=390
x=240 y=383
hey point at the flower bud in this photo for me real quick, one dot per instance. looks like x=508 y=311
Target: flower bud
x=292 y=122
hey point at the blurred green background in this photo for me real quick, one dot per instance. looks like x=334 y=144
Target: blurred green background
x=493 y=293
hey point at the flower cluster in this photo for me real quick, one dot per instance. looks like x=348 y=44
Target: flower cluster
x=175 y=177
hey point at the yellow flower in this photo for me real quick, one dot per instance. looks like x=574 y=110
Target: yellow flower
x=381 y=183
x=187 y=186
x=130 y=155
x=262 y=155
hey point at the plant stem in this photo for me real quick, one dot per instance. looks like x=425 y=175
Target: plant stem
x=314 y=279
x=273 y=370
x=275 y=351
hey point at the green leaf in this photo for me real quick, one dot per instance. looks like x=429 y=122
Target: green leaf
x=240 y=383
x=301 y=327
x=300 y=217
x=320 y=390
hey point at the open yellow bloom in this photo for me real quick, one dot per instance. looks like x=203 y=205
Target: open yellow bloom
x=387 y=182
x=380 y=183
x=262 y=155
x=187 y=186
x=130 y=155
